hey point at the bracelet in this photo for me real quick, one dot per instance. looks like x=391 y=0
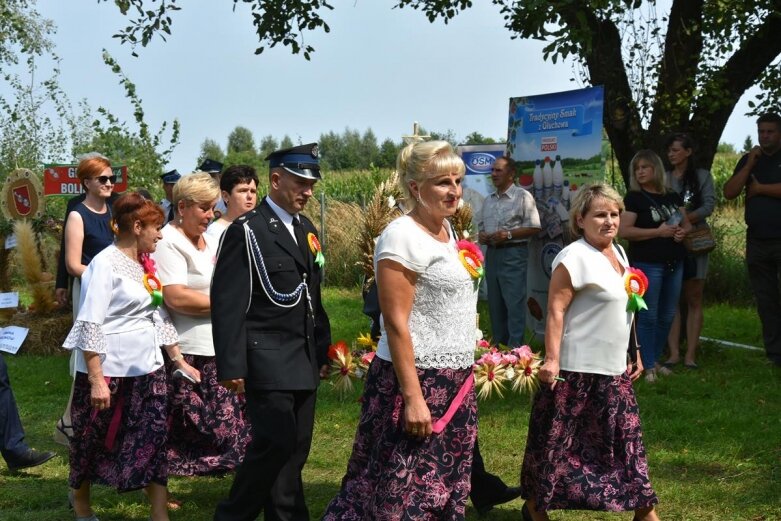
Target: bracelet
x=177 y=357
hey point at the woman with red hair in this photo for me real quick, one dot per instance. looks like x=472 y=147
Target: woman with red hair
x=119 y=406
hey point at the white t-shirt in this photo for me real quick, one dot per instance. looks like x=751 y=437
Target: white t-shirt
x=179 y=262
x=596 y=324
x=216 y=229
x=442 y=320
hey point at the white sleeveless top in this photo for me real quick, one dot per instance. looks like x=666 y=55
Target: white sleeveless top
x=596 y=324
x=442 y=320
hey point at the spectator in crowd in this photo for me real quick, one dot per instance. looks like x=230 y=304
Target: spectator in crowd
x=508 y=219
x=214 y=169
x=271 y=337
x=408 y=458
x=239 y=187
x=87 y=231
x=759 y=172
x=169 y=179
x=208 y=433
x=16 y=453
x=120 y=401
x=584 y=450
x=695 y=186
x=654 y=223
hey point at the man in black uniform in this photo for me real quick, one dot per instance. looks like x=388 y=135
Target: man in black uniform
x=271 y=337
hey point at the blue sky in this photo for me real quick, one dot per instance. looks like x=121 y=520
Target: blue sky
x=379 y=68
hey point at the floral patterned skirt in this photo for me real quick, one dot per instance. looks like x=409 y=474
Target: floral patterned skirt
x=208 y=430
x=585 y=448
x=122 y=446
x=392 y=476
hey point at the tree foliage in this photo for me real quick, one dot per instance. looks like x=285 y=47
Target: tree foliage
x=276 y=22
x=210 y=149
x=241 y=140
x=683 y=71
x=145 y=152
x=23 y=31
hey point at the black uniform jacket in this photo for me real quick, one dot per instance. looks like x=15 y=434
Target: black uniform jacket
x=271 y=347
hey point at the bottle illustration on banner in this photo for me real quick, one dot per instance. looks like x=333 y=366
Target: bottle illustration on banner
x=547 y=178
x=558 y=177
x=537 y=180
x=565 y=194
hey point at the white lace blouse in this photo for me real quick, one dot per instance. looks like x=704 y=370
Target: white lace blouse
x=442 y=320
x=117 y=320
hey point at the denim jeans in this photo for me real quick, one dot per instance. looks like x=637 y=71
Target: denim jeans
x=12 y=445
x=505 y=273
x=653 y=324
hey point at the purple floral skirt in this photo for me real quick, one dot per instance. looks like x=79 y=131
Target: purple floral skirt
x=122 y=446
x=208 y=430
x=585 y=446
x=392 y=476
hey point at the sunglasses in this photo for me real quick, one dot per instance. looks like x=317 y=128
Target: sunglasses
x=103 y=179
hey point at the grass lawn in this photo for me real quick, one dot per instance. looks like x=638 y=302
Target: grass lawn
x=713 y=437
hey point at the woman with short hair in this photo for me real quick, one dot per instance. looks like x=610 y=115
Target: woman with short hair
x=584 y=449
x=208 y=430
x=119 y=407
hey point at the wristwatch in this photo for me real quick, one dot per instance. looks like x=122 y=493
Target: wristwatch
x=509 y=235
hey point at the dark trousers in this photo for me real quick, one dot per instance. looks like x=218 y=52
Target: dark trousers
x=12 y=443
x=763 y=257
x=269 y=478
x=486 y=487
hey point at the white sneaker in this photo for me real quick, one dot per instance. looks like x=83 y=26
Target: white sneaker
x=662 y=370
x=650 y=376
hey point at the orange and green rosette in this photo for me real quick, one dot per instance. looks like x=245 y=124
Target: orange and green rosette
x=315 y=248
x=472 y=259
x=154 y=287
x=635 y=283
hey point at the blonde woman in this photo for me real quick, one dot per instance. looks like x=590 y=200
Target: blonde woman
x=208 y=433
x=400 y=467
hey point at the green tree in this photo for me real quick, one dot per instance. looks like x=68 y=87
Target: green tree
x=286 y=142
x=725 y=148
x=23 y=32
x=683 y=72
x=747 y=144
x=210 y=149
x=146 y=153
x=241 y=140
x=267 y=145
x=388 y=152
x=476 y=138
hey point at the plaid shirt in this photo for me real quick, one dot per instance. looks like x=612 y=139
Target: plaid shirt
x=515 y=208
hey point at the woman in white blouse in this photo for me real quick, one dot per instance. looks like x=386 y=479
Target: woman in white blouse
x=412 y=453
x=584 y=449
x=120 y=403
x=208 y=432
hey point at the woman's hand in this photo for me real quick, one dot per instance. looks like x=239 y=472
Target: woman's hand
x=187 y=368
x=635 y=370
x=680 y=234
x=549 y=372
x=100 y=396
x=417 y=418
x=665 y=230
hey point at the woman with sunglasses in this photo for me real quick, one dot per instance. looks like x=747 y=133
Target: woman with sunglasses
x=87 y=232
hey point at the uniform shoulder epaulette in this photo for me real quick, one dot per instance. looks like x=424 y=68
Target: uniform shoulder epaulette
x=247 y=216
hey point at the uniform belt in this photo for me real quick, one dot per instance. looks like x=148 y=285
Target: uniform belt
x=508 y=245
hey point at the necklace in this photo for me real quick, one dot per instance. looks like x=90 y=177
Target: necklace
x=438 y=236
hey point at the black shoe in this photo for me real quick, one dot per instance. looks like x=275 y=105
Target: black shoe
x=31 y=458
x=506 y=495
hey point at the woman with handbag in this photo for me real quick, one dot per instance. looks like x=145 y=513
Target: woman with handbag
x=695 y=185
x=655 y=225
